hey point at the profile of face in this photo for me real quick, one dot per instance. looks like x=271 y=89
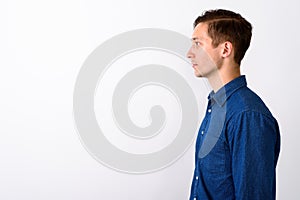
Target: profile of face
x=204 y=57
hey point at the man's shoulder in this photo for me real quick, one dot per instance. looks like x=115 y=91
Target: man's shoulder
x=246 y=100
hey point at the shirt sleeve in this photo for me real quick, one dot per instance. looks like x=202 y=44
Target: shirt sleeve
x=254 y=143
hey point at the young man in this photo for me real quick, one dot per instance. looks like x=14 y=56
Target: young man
x=238 y=142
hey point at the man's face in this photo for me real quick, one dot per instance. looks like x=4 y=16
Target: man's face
x=204 y=57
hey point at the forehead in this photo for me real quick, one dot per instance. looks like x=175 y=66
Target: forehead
x=200 y=31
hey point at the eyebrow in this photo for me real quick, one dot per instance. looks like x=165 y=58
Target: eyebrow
x=196 y=38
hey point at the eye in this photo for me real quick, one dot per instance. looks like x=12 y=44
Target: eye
x=197 y=43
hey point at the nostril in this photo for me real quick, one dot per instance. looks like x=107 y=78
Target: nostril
x=189 y=55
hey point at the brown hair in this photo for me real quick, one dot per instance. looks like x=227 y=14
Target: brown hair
x=225 y=25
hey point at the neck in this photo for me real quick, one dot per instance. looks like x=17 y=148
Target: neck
x=222 y=77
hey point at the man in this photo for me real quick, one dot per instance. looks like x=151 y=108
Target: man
x=238 y=143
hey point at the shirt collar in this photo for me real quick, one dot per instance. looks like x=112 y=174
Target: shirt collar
x=227 y=90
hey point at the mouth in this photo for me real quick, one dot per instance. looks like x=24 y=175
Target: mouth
x=194 y=65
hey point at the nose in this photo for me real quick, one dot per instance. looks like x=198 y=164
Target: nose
x=190 y=54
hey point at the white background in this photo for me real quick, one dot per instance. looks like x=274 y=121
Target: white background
x=43 y=45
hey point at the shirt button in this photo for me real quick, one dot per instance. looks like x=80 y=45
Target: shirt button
x=209 y=110
x=202 y=132
x=197 y=177
x=195 y=198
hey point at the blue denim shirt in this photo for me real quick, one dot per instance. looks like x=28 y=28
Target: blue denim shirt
x=237 y=147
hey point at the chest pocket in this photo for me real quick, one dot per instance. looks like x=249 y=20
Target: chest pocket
x=217 y=160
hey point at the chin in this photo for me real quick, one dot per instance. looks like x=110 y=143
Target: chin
x=197 y=74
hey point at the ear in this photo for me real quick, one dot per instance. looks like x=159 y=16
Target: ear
x=227 y=49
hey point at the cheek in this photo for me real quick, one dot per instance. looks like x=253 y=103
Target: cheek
x=203 y=57
x=200 y=53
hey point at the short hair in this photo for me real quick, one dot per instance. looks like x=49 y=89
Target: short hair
x=225 y=25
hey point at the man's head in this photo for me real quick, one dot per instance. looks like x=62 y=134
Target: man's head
x=221 y=35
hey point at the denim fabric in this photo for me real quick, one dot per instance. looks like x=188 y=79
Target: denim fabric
x=237 y=147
